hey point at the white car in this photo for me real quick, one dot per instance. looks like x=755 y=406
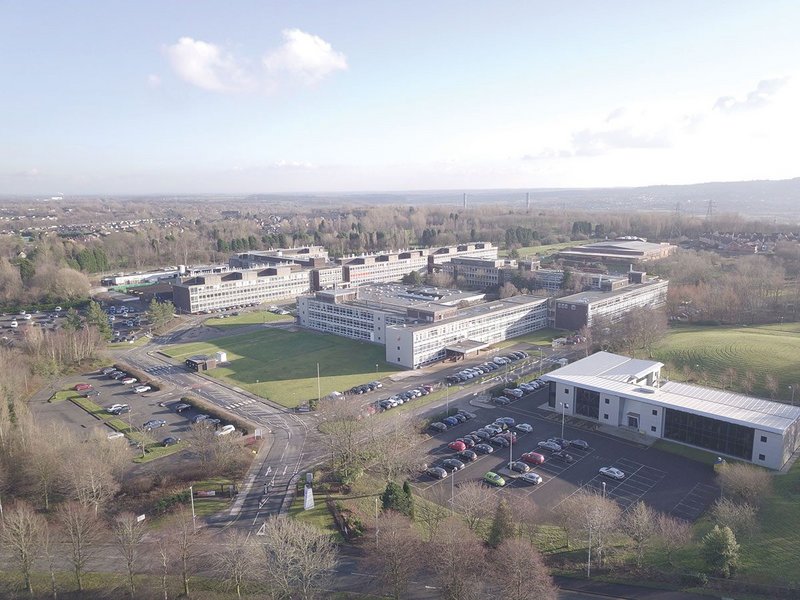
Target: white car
x=225 y=430
x=140 y=389
x=524 y=427
x=27 y=316
x=612 y=472
x=115 y=407
x=533 y=478
x=14 y=324
x=129 y=380
x=58 y=309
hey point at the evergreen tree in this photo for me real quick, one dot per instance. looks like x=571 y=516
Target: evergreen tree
x=721 y=551
x=395 y=498
x=502 y=525
x=96 y=317
x=73 y=320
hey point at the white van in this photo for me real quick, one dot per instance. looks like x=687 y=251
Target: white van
x=115 y=435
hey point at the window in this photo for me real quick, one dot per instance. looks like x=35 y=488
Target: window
x=763 y=438
x=605 y=416
x=709 y=433
x=587 y=403
x=653 y=428
x=655 y=412
x=566 y=390
x=762 y=457
x=608 y=401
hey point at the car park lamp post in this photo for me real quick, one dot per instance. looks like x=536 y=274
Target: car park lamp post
x=564 y=407
x=194 y=516
x=604 y=490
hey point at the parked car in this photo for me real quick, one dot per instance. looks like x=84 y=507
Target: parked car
x=581 y=444
x=199 y=418
x=560 y=441
x=118 y=376
x=170 y=441
x=482 y=434
x=519 y=466
x=89 y=393
x=460 y=418
x=483 y=449
x=468 y=415
x=108 y=370
x=494 y=479
x=524 y=427
x=533 y=458
x=493 y=428
x=82 y=387
x=450 y=421
x=467 y=455
x=121 y=410
x=506 y=421
x=452 y=464
x=499 y=440
x=154 y=424
x=533 y=478
x=565 y=456
x=114 y=407
x=225 y=430
x=467 y=441
x=437 y=472
x=182 y=406
x=509 y=435
x=457 y=446
x=129 y=380
x=502 y=401
x=548 y=445
x=438 y=427
x=140 y=389
x=612 y=472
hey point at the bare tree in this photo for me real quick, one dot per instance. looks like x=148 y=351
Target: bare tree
x=447 y=559
x=432 y=511
x=391 y=449
x=745 y=483
x=771 y=385
x=297 y=558
x=49 y=552
x=396 y=553
x=475 y=502
x=521 y=571
x=91 y=477
x=164 y=554
x=201 y=441
x=185 y=544
x=526 y=516
x=673 y=534
x=21 y=535
x=45 y=461
x=739 y=516
x=595 y=516
x=344 y=426
x=82 y=530
x=640 y=524
x=235 y=559
x=128 y=533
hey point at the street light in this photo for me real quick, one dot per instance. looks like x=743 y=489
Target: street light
x=604 y=490
x=194 y=516
x=564 y=407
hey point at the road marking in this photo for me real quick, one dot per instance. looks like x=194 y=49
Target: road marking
x=284 y=469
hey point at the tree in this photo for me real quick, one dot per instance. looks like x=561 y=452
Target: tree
x=235 y=559
x=160 y=313
x=432 y=512
x=473 y=501
x=128 y=534
x=96 y=317
x=296 y=558
x=409 y=498
x=640 y=524
x=526 y=515
x=21 y=535
x=397 y=553
x=739 y=516
x=672 y=533
x=745 y=483
x=72 y=322
x=508 y=289
x=721 y=551
x=344 y=426
x=502 y=527
x=91 y=477
x=412 y=278
x=447 y=560
x=82 y=530
x=521 y=571
x=594 y=516
x=395 y=498
x=201 y=440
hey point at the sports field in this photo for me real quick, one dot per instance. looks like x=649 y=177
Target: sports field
x=282 y=365
x=705 y=354
x=249 y=318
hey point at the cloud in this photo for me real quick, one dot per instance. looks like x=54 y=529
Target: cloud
x=206 y=66
x=588 y=142
x=153 y=80
x=304 y=56
x=761 y=96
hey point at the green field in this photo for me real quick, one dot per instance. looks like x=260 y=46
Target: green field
x=704 y=354
x=282 y=365
x=542 y=337
x=249 y=318
x=530 y=251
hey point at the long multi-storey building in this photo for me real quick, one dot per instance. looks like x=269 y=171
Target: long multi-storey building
x=621 y=251
x=419 y=326
x=580 y=310
x=480 y=272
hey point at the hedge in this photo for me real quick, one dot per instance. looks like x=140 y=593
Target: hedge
x=220 y=413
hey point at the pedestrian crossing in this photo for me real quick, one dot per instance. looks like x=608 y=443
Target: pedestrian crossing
x=239 y=403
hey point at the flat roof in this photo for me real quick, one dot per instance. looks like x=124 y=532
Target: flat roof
x=616 y=374
x=594 y=295
x=466 y=346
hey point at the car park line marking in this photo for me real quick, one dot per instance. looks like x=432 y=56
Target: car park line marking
x=694 y=503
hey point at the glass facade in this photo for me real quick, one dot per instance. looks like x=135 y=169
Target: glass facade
x=587 y=403
x=712 y=434
x=551 y=394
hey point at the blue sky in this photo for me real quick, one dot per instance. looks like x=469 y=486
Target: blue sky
x=194 y=96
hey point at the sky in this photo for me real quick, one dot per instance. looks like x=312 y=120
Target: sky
x=194 y=96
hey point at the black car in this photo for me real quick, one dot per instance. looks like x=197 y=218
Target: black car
x=467 y=441
x=170 y=441
x=520 y=467
x=439 y=427
x=452 y=464
x=484 y=449
x=459 y=417
x=437 y=472
x=467 y=455
x=89 y=393
x=502 y=401
x=468 y=415
x=499 y=440
x=582 y=444
x=565 y=456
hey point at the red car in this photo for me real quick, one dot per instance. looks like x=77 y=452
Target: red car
x=457 y=446
x=532 y=457
x=82 y=387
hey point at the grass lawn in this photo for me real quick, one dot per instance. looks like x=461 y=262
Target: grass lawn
x=249 y=318
x=542 y=337
x=92 y=408
x=710 y=351
x=529 y=251
x=155 y=451
x=319 y=516
x=140 y=341
x=703 y=456
x=282 y=365
x=62 y=395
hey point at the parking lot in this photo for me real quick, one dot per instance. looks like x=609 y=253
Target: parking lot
x=668 y=482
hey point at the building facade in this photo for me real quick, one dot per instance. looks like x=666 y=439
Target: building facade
x=622 y=251
x=479 y=272
x=580 y=310
x=628 y=393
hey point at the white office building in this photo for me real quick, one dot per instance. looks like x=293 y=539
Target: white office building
x=629 y=393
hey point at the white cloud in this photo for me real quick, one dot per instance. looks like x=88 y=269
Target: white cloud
x=304 y=56
x=153 y=80
x=757 y=98
x=206 y=66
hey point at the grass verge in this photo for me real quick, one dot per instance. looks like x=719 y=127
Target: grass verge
x=157 y=450
x=62 y=395
x=250 y=318
x=97 y=411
